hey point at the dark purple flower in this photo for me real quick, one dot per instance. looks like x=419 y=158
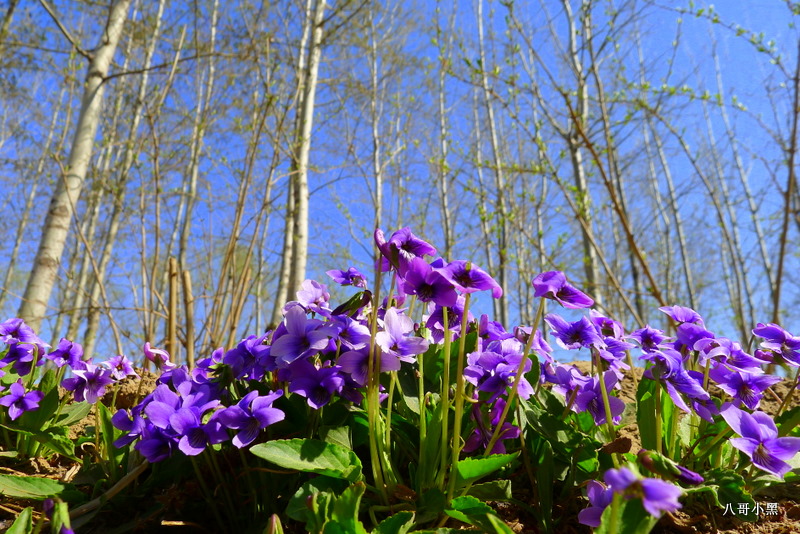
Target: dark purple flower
x=648 y=338
x=745 y=388
x=18 y=401
x=567 y=379
x=317 y=385
x=657 y=496
x=304 y=337
x=427 y=284
x=22 y=356
x=195 y=435
x=393 y=339
x=599 y=498
x=728 y=353
x=251 y=359
x=250 y=415
x=435 y=319
x=353 y=335
x=553 y=285
x=590 y=399
x=68 y=352
x=16 y=331
x=155 y=444
x=468 y=279
x=482 y=434
x=88 y=384
x=350 y=277
x=606 y=326
x=132 y=423
x=668 y=468
x=575 y=335
x=495 y=369
x=759 y=440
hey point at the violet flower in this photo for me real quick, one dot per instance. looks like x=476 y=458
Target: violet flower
x=159 y=357
x=468 y=279
x=575 y=335
x=314 y=296
x=482 y=434
x=356 y=364
x=88 y=384
x=67 y=353
x=393 y=339
x=316 y=385
x=120 y=366
x=250 y=415
x=304 y=337
x=350 y=277
x=745 y=388
x=590 y=399
x=19 y=402
x=779 y=341
x=553 y=285
x=251 y=359
x=195 y=435
x=16 y=331
x=427 y=284
x=681 y=314
x=657 y=496
x=600 y=497
x=759 y=440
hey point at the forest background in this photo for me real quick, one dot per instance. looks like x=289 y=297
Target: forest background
x=172 y=171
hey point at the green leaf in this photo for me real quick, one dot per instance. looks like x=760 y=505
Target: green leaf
x=346 y=509
x=29 y=487
x=646 y=412
x=631 y=518
x=298 y=509
x=472 y=469
x=109 y=433
x=496 y=490
x=475 y=512
x=338 y=435
x=23 y=524
x=727 y=490
x=544 y=481
x=311 y=456
x=399 y=523
x=430 y=505
x=73 y=412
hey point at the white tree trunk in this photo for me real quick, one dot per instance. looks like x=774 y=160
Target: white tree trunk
x=69 y=186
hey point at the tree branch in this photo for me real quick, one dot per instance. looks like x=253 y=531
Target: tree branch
x=47 y=7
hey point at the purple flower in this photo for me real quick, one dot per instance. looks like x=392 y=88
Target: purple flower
x=159 y=357
x=590 y=399
x=19 y=402
x=314 y=296
x=657 y=496
x=779 y=341
x=599 y=498
x=155 y=444
x=132 y=423
x=760 y=440
x=681 y=314
x=350 y=277
x=648 y=338
x=468 y=279
x=427 y=284
x=393 y=339
x=121 y=367
x=745 y=388
x=316 y=385
x=553 y=285
x=575 y=335
x=195 y=435
x=356 y=364
x=728 y=353
x=88 y=384
x=68 y=352
x=495 y=369
x=401 y=247
x=16 y=331
x=251 y=359
x=482 y=434
x=435 y=319
x=22 y=355
x=303 y=338
x=252 y=414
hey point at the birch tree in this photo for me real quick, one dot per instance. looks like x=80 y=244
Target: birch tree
x=69 y=185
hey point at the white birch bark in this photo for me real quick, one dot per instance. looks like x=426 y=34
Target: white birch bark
x=69 y=185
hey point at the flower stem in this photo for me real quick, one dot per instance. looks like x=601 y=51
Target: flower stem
x=445 y=400
x=517 y=378
x=606 y=403
x=459 y=400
